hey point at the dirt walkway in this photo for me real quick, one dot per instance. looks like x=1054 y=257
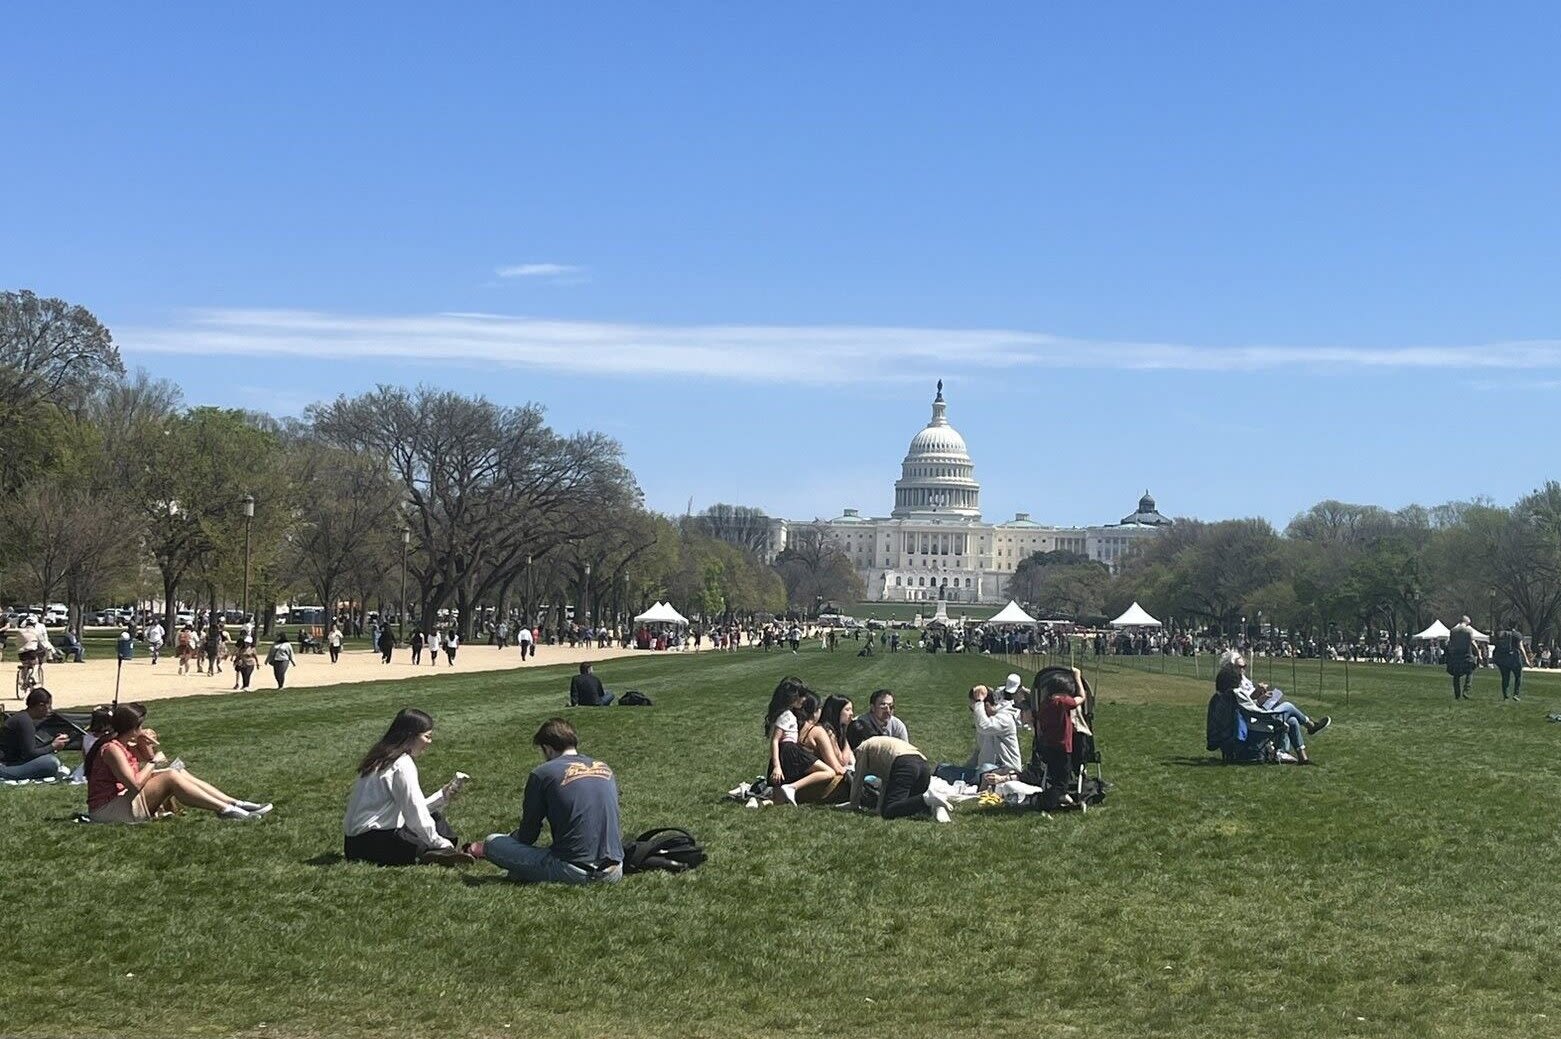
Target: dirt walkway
x=83 y=685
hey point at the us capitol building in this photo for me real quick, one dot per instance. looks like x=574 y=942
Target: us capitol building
x=934 y=546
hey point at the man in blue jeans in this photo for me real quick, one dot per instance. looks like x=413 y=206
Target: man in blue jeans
x=23 y=756
x=585 y=689
x=577 y=796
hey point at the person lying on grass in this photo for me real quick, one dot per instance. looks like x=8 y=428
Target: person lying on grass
x=904 y=777
x=124 y=784
x=389 y=821
x=577 y=796
x=794 y=770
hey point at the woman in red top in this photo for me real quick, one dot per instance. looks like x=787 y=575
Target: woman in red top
x=1057 y=694
x=125 y=786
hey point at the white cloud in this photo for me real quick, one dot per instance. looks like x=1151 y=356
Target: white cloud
x=563 y=272
x=770 y=353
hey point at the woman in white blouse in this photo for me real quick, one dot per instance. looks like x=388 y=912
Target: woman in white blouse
x=389 y=821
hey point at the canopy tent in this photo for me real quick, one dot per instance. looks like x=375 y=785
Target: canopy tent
x=1437 y=630
x=1013 y=613
x=1479 y=636
x=662 y=613
x=1135 y=617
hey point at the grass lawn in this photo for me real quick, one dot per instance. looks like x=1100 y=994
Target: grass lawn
x=1406 y=886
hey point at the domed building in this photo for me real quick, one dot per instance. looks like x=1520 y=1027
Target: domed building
x=933 y=545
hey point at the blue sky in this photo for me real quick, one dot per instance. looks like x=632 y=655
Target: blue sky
x=1247 y=255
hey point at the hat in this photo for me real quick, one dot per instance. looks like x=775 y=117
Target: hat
x=1011 y=684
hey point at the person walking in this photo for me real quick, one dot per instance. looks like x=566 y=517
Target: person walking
x=452 y=642
x=523 y=638
x=387 y=643
x=333 y=641
x=1511 y=656
x=1462 y=657
x=280 y=658
x=154 y=640
x=417 y=646
x=245 y=660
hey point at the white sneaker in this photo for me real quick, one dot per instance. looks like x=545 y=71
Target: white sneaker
x=233 y=813
x=256 y=810
x=789 y=792
x=1284 y=757
x=752 y=802
x=941 y=814
x=933 y=800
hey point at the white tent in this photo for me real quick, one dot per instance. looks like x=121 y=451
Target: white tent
x=1135 y=617
x=1437 y=630
x=657 y=613
x=662 y=613
x=1479 y=636
x=1013 y=613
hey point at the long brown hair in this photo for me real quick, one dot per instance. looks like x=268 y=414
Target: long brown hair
x=405 y=728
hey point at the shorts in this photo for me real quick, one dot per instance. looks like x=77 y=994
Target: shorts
x=128 y=807
x=30 y=656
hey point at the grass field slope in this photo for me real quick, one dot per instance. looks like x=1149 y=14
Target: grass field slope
x=1406 y=886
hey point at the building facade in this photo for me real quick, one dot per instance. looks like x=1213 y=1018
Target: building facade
x=933 y=545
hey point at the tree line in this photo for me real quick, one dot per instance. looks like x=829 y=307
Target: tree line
x=1337 y=569
x=112 y=490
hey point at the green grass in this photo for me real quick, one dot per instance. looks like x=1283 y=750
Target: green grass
x=1406 y=886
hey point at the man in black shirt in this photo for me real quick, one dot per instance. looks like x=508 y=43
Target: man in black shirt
x=577 y=796
x=22 y=755
x=585 y=690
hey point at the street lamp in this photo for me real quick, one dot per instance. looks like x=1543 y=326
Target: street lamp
x=585 y=598
x=406 y=541
x=249 y=515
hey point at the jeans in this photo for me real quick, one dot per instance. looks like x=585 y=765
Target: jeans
x=244 y=673
x=533 y=865
x=1515 y=674
x=45 y=767
x=335 y=653
x=280 y=670
x=1289 y=711
x=527 y=650
x=1461 y=691
x=907 y=780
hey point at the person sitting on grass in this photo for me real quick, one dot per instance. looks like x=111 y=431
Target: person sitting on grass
x=997 y=732
x=22 y=755
x=577 y=796
x=881 y=715
x=390 y=822
x=904 y=777
x=124 y=785
x=585 y=689
x=836 y=716
x=795 y=771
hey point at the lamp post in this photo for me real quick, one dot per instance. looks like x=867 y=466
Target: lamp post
x=526 y=612
x=585 y=597
x=249 y=515
x=406 y=541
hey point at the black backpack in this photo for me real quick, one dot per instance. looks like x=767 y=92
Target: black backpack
x=635 y=698
x=667 y=848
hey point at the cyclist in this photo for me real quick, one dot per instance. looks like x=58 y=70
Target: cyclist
x=35 y=650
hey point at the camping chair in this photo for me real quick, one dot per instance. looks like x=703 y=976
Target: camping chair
x=1238 y=735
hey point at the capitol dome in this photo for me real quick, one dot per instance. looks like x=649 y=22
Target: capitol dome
x=937 y=476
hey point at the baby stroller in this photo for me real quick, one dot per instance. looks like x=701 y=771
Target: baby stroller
x=1082 y=789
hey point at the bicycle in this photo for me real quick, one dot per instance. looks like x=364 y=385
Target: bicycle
x=29 y=675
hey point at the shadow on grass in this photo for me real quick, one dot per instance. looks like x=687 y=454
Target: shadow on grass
x=1199 y=762
x=329 y=858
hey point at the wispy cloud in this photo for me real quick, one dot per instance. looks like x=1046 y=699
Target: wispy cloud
x=769 y=353
x=557 y=272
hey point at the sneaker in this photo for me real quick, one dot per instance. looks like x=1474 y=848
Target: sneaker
x=941 y=814
x=933 y=800
x=1319 y=725
x=233 y=813
x=1284 y=757
x=446 y=857
x=789 y=792
x=752 y=802
x=256 y=809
